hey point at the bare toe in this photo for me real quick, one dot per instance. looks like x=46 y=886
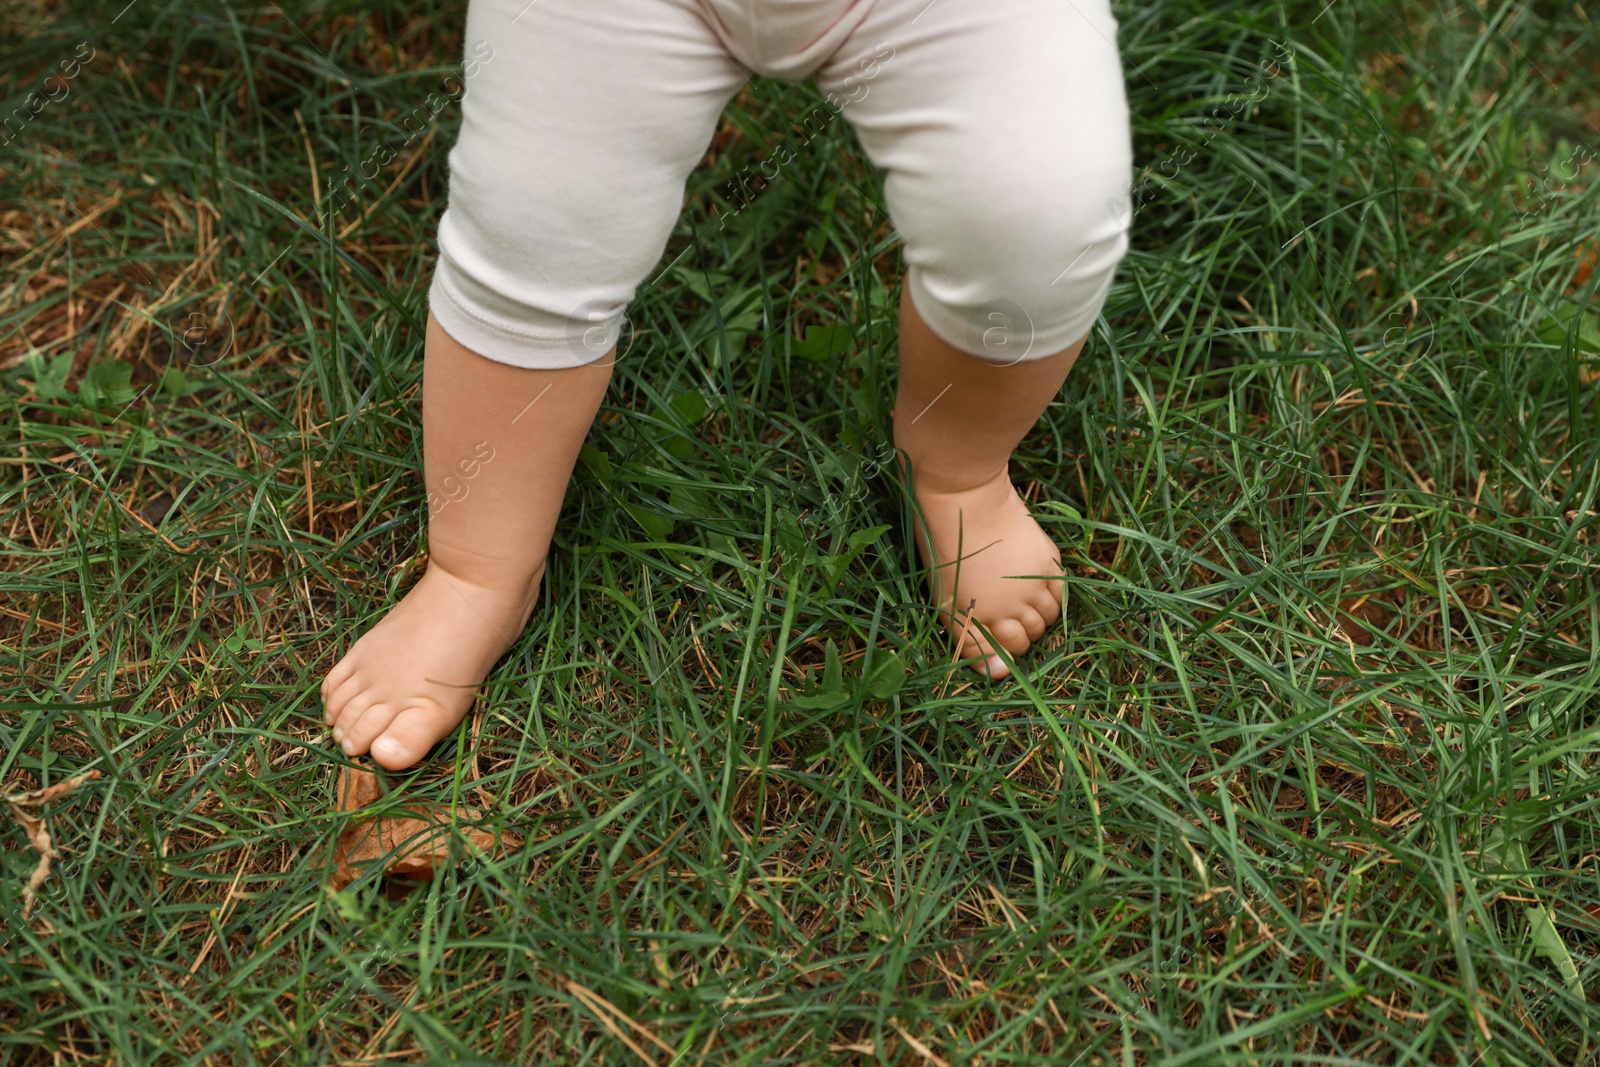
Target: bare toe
x=409 y=737
x=358 y=737
x=994 y=667
x=1012 y=636
x=351 y=713
x=971 y=649
x=342 y=672
x=340 y=699
x=1047 y=602
x=974 y=643
x=1032 y=623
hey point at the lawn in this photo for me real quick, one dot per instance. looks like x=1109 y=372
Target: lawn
x=1307 y=774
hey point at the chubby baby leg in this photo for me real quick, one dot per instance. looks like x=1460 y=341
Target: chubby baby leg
x=1003 y=128
x=499 y=444
x=579 y=125
x=957 y=419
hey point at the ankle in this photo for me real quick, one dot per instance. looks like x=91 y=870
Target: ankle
x=933 y=473
x=519 y=579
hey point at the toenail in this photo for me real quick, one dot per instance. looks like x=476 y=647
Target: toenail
x=338 y=734
x=388 y=746
x=349 y=748
x=995 y=664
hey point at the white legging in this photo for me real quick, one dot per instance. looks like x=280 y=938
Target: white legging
x=1002 y=126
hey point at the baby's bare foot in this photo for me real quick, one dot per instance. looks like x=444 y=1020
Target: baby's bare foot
x=990 y=552
x=410 y=679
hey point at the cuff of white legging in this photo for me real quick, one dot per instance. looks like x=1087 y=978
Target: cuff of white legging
x=561 y=344
x=1002 y=332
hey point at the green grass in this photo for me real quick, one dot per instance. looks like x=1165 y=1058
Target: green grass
x=1307 y=775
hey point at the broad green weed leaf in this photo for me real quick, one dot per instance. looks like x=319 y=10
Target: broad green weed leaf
x=1547 y=942
x=888 y=675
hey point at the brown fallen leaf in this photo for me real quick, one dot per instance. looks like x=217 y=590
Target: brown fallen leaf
x=1587 y=255
x=38 y=836
x=412 y=848
x=1361 y=617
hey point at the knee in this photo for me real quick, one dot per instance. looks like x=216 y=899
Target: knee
x=514 y=313
x=540 y=281
x=1026 y=259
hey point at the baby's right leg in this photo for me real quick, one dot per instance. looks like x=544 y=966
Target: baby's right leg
x=499 y=444
x=580 y=124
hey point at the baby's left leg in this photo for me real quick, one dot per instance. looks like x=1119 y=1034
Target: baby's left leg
x=957 y=420
x=1003 y=126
